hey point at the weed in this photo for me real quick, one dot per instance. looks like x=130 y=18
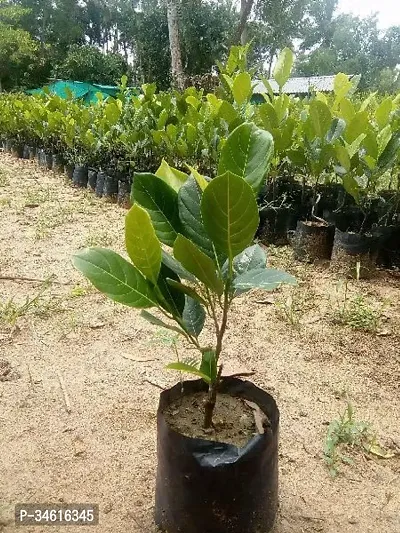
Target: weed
x=78 y=291
x=356 y=312
x=164 y=337
x=52 y=218
x=5 y=202
x=11 y=311
x=40 y=195
x=4 y=179
x=349 y=433
x=291 y=306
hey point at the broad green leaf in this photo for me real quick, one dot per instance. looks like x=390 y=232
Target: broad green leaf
x=194 y=317
x=157 y=322
x=114 y=276
x=185 y=289
x=351 y=186
x=263 y=278
x=335 y=131
x=228 y=81
x=161 y=202
x=268 y=116
x=383 y=111
x=347 y=110
x=367 y=102
x=251 y=258
x=191 y=134
x=320 y=118
x=357 y=126
x=247 y=153
x=341 y=85
x=190 y=369
x=141 y=242
x=209 y=365
x=230 y=213
x=370 y=144
x=281 y=106
x=189 y=201
x=201 y=180
x=227 y=112
x=384 y=137
x=172 y=176
x=241 y=88
x=355 y=145
x=170 y=261
x=283 y=67
x=267 y=85
x=174 y=300
x=112 y=113
x=198 y=263
x=343 y=157
x=390 y=153
x=193 y=101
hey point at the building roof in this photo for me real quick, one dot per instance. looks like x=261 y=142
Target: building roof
x=302 y=85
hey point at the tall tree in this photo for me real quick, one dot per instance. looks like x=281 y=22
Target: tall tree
x=178 y=76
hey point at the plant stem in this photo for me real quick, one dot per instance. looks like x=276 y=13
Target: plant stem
x=211 y=400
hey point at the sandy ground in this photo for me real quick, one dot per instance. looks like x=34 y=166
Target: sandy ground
x=103 y=450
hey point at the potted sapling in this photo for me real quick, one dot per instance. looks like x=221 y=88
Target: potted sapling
x=217 y=436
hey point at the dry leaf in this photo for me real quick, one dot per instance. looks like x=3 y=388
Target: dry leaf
x=260 y=418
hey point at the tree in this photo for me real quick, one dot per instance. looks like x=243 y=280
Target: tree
x=178 y=77
x=88 y=63
x=17 y=47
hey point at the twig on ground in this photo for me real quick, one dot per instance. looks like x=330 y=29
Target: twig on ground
x=239 y=375
x=65 y=393
x=154 y=384
x=34 y=280
x=138 y=359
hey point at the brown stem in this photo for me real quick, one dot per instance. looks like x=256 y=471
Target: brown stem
x=211 y=400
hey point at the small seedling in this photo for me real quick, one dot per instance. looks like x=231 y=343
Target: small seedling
x=10 y=311
x=165 y=338
x=348 y=433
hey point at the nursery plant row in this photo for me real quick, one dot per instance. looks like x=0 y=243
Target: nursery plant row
x=334 y=161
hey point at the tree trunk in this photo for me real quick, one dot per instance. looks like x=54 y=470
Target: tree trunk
x=245 y=10
x=178 y=77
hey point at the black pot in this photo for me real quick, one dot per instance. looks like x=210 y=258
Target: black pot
x=92 y=179
x=275 y=224
x=124 y=194
x=69 y=171
x=8 y=144
x=101 y=176
x=211 y=487
x=32 y=153
x=313 y=241
x=110 y=189
x=57 y=163
x=48 y=160
x=41 y=157
x=80 y=176
x=17 y=150
x=352 y=248
x=388 y=246
x=25 y=152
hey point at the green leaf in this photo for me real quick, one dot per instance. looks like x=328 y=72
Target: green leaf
x=201 y=180
x=263 y=278
x=189 y=201
x=251 y=258
x=174 y=300
x=355 y=145
x=351 y=186
x=341 y=85
x=390 y=153
x=268 y=116
x=157 y=322
x=241 y=88
x=209 y=365
x=198 y=263
x=283 y=67
x=227 y=112
x=194 y=316
x=172 y=176
x=230 y=213
x=370 y=144
x=190 y=369
x=320 y=118
x=357 y=126
x=170 y=261
x=185 y=289
x=142 y=245
x=335 y=131
x=343 y=157
x=161 y=202
x=347 y=110
x=247 y=153
x=384 y=137
x=114 y=276
x=383 y=111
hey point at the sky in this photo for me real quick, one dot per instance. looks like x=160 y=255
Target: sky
x=388 y=10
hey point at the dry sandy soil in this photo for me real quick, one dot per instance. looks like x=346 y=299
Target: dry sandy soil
x=103 y=450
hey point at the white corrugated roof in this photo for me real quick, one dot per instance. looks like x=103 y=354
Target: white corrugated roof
x=301 y=85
